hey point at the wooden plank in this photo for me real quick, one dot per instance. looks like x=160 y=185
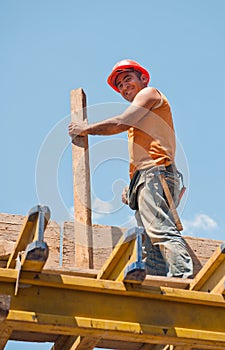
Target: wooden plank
x=25 y=237
x=132 y=331
x=4 y=306
x=74 y=343
x=10 y=228
x=220 y=287
x=5 y=332
x=166 y=347
x=83 y=244
x=121 y=345
x=127 y=251
x=30 y=231
x=91 y=273
x=81 y=180
x=84 y=343
x=117 y=260
x=149 y=347
x=64 y=342
x=212 y=273
x=163 y=281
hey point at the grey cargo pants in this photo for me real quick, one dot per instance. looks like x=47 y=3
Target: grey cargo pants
x=165 y=249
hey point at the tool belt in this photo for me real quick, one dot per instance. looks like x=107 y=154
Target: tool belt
x=136 y=182
x=132 y=191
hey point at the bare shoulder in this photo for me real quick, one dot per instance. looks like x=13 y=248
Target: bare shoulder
x=150 y=92
x=148 y=97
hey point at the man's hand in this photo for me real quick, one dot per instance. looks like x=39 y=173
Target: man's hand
x=124 y=195
x=80 y=129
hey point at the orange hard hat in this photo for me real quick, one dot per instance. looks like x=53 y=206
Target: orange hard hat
x=123 y=66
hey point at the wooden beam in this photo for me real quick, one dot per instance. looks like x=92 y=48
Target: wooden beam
x=81 y=180
x=82 y=201
x=126 y=254
x=32 y=230
x=5 y=301
x=75 y=343
x=64 y=342
x=5 y=332
x=148 y=347
x=92 y=308
x=84 y=343
x=119 y=330
x=213 y=272
x=220 y=287
x=61 y=282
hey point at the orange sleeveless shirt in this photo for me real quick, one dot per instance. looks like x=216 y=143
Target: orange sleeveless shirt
x=153 y=142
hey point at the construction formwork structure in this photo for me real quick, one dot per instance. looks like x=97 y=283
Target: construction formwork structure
x=101 y=297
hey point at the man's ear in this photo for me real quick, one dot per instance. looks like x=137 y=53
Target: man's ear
x=144 y=78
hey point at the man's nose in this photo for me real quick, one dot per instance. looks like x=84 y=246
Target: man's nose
x=125 y=85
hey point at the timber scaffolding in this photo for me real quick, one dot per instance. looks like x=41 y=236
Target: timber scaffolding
x=99 y=296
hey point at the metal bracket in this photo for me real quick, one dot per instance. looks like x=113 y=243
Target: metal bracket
x=31 y=252
x=18 y=268
x=135 y=272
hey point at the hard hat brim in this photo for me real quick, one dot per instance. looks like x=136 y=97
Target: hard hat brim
x=113 y=76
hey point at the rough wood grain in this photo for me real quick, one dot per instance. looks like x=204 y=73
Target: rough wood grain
x=81 y=180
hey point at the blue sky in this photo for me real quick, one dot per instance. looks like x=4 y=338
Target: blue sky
x=50 y=47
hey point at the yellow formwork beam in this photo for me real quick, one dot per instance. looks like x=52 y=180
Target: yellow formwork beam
x=30 y=241
x=115 y=330
x=121 y=255
x=211 y=276
x=220 y=287
x=125 y=261
x=85 y=307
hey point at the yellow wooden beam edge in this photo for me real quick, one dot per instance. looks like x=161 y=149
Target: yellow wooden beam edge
x=25 y=237
x=72 y=272
x=163 y=281
x=128 y=257
x=114 y=330
x=200 y=334
x=108 y=287
x=33 y=226
x=8 y=275
x=113 y=259
x=122 y=255
x=211 y=271
x=220 y=287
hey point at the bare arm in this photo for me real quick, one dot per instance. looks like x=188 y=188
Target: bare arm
x=146 y=99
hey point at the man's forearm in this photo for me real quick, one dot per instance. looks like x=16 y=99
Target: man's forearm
x=107 y=127
x=115 y=125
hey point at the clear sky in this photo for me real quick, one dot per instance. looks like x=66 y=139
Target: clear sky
x=48 y=48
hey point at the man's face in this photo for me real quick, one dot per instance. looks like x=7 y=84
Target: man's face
x=129 y=84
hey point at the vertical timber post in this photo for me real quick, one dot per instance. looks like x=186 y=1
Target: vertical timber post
x=81 y=180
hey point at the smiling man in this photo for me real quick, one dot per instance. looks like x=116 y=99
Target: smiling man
x=151 y=141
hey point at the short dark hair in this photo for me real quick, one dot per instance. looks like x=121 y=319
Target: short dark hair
x=137 y=72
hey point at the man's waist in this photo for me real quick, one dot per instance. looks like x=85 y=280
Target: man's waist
x=158 y=168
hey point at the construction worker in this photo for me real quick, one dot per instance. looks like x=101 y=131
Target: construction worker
x=151 y=141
